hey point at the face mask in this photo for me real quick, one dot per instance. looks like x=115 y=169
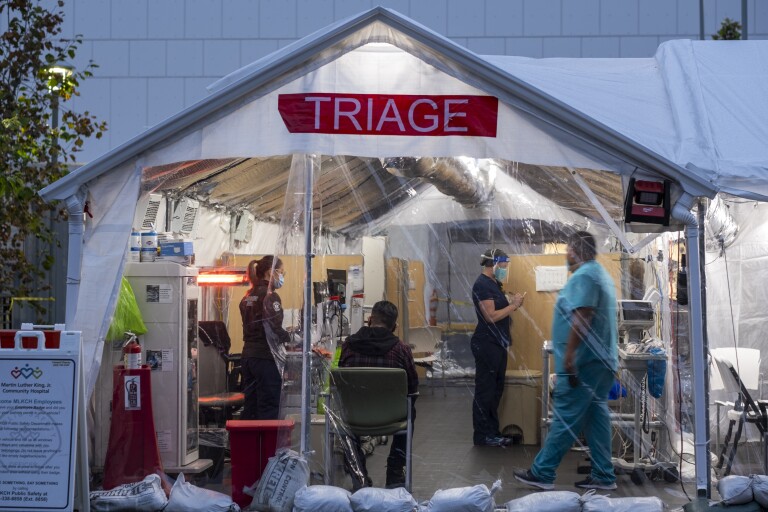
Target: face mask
x=280 y=282
x=500 y=273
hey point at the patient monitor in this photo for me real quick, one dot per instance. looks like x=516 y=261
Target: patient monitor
x=634 y=316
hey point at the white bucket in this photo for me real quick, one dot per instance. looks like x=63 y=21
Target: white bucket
x=148 y=254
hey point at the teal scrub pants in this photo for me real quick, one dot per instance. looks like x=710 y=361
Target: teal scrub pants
x=579 y=409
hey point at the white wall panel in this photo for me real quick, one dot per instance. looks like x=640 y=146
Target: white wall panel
x=147 y=58
x=165 y=97
x=129 y=19
x=525 y=46
x=128 y=109
x=202 y=18
x=657 y=17
x=639 y=46
x=618 y=17
x=220 y=57
x=581 y=18
x=277 y=18
x=195 y=89
x=346 y=8
x=431 y=13
x=312 y=15
x=504 y=18
x=240 y=19
x=466 y=19
x=562 y=47
x=112 y=58
x=542 y=18
x=165 y=19
x=603 y=47
x=92 y=18
x=487 y=45
x=253 y=50
x=185 y=58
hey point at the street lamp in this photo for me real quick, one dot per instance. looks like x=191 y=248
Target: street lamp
x=58 y=73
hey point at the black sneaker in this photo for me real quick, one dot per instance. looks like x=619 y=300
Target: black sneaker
x=494 y=441
x=525 y=476
x=591 y=483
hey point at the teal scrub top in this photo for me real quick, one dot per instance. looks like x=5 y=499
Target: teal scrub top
x=589 y=286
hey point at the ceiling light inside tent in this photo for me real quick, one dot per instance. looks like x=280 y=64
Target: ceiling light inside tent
x=379 y=47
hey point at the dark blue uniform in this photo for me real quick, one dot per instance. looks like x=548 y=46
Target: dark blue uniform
x=489 y=346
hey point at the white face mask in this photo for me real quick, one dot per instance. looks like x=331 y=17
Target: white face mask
x=279 y=282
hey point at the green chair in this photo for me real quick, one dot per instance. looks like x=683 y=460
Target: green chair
x=373 y=402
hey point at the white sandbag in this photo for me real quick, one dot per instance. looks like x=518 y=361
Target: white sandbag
x=372 y=499
x=145 y=495
x=322 y=498
x=186 y=497
x=598 y=503
x=285 y=474
x=735 y=490
x=760 y=489
x=550 y=501
x=464 y=499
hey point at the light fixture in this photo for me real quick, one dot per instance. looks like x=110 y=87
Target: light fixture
x=58 y=73
x=224 y=276
x=647 y=201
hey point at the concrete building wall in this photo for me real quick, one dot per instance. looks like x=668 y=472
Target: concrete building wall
x=156 y=57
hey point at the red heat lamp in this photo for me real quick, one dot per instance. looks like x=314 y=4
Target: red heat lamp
x=647 y=201
x=222 y=277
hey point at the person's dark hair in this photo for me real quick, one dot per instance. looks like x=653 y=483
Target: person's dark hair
x=384 y=314
x=583 y=244
x=260 y=269
x=489 y=257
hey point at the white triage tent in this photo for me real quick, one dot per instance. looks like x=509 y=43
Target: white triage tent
x=376 y=136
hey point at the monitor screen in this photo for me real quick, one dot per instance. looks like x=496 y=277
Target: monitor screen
x=337 y=283
x=636 y=311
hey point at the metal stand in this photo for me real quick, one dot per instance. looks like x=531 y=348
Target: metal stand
x=641 y=466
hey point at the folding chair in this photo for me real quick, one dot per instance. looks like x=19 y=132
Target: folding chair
x=744 y=410
x=373 y=402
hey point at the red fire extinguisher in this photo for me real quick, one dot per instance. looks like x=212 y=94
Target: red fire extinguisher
x=433 y=308
x=131 y=352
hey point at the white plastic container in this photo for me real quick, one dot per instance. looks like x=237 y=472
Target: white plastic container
x=135 y=254
x=149 y=241
x=135 y=240
x=147 y=254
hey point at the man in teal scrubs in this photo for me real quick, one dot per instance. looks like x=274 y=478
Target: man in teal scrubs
x=585 y=342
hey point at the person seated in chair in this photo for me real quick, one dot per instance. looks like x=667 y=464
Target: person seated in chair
x=376 y=345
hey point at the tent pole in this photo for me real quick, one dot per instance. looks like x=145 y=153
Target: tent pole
x=698 y=355
x=75 y=208
x=306 y=362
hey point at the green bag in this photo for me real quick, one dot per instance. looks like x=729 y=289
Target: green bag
x=127 y=315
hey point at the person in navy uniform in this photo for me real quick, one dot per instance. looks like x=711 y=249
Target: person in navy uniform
x=263 y=337
x=489 y=343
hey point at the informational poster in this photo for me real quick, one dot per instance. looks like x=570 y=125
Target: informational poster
x=37 y=420
x=159 y=293
x=550 y=279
